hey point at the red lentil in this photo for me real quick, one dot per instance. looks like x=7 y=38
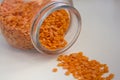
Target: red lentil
x=16 y=17
x=53 y=30
x=67 y=73
x=54 y=70
x=82 y=68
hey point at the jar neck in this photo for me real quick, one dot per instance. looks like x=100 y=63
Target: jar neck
x=65 y=1
x=39 y=19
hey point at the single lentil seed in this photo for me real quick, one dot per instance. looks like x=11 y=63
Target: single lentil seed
x=55 y=70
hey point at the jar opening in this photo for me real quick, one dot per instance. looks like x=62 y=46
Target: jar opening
x=71 y=28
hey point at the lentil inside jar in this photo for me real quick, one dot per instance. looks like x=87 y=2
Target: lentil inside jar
x=16 y=18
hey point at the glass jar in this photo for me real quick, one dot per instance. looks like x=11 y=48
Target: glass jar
x=22 y=23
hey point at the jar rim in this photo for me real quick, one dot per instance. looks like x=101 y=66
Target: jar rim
x=35 y=28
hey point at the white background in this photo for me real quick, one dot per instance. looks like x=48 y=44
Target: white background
x=99 y=39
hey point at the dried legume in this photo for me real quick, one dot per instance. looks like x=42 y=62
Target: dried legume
x=16 y=18
x=53 y=30
x=82 y=68
x=54 y=70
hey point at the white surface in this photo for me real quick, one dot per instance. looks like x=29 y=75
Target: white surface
x=99 y=39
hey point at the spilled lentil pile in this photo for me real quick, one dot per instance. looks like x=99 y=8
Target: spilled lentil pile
x=82 y=68
x=16 y=18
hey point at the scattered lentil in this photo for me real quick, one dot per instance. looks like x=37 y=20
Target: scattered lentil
x=54 y=70
x=82 y=68
x=67 y=73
